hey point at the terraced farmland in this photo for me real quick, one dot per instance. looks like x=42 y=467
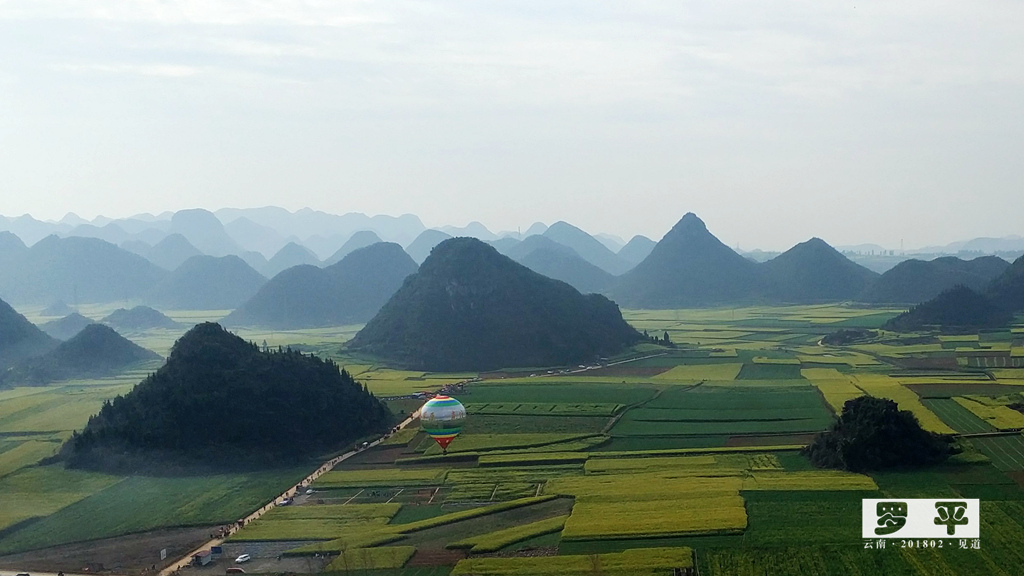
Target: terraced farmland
x=625 y=469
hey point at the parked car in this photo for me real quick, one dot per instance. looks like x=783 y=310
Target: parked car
x=243 y=558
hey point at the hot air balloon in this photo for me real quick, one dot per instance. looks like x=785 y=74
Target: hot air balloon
x=442 y=418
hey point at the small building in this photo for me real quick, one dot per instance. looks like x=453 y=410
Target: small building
x=202 y=558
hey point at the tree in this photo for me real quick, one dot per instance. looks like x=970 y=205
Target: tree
x=874 y=434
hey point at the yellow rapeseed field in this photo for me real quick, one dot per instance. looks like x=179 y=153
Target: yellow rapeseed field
x=882 y=386
x=999 y=417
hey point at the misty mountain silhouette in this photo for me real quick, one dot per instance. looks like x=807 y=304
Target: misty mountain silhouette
x=137 y=319
x=589 y=248
x=420 y=248
x=204 y=231
x=638 y=248
x=914 y=281
x=67 y=327
x=813 y=271
x=170 y=252
x=207 y=283
x=360 y=239
x=95 y=351
x=77 y=270
x=291 y=254
x=545 y=256
x=349 y=292
x=19 y=338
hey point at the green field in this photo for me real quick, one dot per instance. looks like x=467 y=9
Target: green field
x=1006 y=452
x=324 y=522
x=138 y=504
x=726 y=411
x=630 y=563
x=958 y=417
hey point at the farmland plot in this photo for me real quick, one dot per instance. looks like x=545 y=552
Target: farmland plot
x=317 y=522
x=646 y=562
x=138 y=504
x=610 y=506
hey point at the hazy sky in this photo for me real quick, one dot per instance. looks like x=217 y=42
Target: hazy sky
x=773 y=121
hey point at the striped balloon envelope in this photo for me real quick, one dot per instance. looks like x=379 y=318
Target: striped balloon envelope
x=442 y=418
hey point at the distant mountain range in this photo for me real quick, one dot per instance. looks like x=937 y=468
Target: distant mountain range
x=170 y=260
x=169 y=253
x=588 y=247
x=967 y=309
x=914 y=281
x=690 y=267
x=76 y=270
x=349 y=292
x=546 y=256
x=265 y=231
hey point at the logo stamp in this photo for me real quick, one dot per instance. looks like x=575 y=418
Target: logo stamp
x=921 y=518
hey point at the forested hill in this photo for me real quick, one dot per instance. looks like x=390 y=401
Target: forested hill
x=1007 y=289
x=471 y=308
x=958 y=309
x=219 y=399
